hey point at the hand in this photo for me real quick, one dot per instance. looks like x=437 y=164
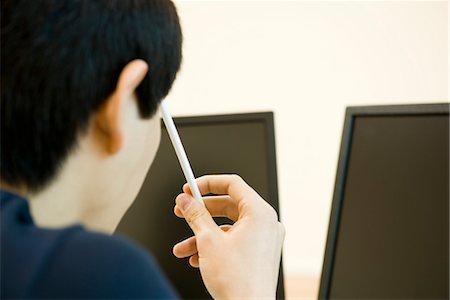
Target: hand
x=236 y=261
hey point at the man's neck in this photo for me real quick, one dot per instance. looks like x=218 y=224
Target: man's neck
x=72 y=199
x=85 y=191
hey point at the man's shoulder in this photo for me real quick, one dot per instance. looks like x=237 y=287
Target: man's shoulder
x=91 y=264
x=101 y=247
x=71 y=262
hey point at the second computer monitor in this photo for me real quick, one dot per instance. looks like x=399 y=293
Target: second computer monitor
x=389 y=236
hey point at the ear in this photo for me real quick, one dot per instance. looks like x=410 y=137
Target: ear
x=108 y=120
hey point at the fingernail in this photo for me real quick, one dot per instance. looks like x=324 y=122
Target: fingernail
x=185 y=201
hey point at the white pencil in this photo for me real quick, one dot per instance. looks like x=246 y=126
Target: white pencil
x=181 y=154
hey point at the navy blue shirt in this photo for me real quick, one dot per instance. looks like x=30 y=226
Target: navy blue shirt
x=71 y=262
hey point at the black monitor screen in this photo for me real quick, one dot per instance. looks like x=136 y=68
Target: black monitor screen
x=241 y=144
x=389 y=236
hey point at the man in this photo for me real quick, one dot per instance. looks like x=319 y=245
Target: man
x=81 y=85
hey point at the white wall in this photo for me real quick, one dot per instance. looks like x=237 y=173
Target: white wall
x=306 y=61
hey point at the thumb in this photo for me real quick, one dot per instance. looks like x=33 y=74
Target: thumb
x=196 y=214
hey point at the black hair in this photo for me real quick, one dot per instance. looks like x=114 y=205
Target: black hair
x=60 y=60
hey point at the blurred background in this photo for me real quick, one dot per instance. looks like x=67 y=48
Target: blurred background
x=307 y=61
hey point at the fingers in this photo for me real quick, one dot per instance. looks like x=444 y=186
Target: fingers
x=186 y=248
x=196 y=215
x=247 y=199
x=218 y=206
x=232 y=185
x=193 y=261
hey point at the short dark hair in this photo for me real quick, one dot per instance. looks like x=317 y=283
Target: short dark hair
x=60 y=60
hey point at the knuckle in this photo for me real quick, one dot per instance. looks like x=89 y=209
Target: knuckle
x=207 y=237
x=195 y=214
x=203 y=179
x=271 y=214
x=236 y=178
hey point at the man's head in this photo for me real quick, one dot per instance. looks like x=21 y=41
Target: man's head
x=83 y=78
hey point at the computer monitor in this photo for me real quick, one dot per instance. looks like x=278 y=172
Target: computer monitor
x=243 y=144
x=388 y=235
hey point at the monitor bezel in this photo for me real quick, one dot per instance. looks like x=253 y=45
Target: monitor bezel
x=268 y=119
x=351 y=113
